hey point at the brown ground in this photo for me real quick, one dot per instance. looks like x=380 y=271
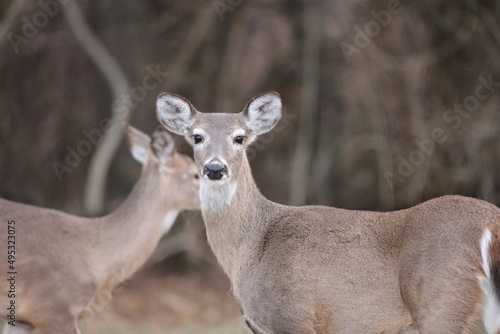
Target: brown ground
x=158 y=301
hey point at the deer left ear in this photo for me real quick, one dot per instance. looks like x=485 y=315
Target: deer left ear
x=262 y=113
x=138 y=143
x=175 y=113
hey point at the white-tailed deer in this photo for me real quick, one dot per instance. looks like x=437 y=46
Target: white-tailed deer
x=67 y=266
x=433 y=268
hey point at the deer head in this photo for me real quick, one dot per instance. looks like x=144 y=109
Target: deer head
x=177 y=171
x=219 y=140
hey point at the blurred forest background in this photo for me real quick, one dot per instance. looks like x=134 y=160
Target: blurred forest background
x=387 y=103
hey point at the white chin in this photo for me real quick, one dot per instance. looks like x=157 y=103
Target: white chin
x=216 y=195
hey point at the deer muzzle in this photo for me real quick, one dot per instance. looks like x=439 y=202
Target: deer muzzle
x=215 y=170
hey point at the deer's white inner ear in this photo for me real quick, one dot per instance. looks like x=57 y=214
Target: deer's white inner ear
x=263 y=113
x=138 y=144
x=175 y=113
x=140 y=153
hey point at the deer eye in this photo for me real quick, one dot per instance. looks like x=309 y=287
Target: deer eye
x=239 y=139
x=197 y=139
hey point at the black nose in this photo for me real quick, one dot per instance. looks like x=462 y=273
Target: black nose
x=214 y=171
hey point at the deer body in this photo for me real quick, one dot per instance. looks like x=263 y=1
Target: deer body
x=320 y=270
x=67 y=266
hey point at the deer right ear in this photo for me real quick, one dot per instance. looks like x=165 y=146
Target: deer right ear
x=175 y=113
x=163 y=147
x=138 y=142
x=262 y=113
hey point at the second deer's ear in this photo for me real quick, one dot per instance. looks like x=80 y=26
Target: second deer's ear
x=175 y=113
x=163 y=147
x=262 y=113
x=138 y=143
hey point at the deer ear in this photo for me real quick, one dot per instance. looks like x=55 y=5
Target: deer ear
x=262 y=113
x=163 y=147
x=138 y=143
x=175 y=113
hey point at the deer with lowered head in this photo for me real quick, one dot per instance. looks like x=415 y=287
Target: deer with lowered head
x=67 y=266
x=432 y=269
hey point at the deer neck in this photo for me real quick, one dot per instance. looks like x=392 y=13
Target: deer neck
x=231 y=212
x=128 y=236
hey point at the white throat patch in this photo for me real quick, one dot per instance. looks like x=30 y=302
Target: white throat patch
x=214 y=196
x=169 y=220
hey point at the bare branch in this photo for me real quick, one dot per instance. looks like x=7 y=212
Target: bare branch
x=194 y=39
x=302 y=157
x=119 y=83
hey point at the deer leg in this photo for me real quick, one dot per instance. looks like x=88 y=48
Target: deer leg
x=449 y=311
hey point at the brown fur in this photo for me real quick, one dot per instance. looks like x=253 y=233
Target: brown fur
x=326 y=270
x=68 y=266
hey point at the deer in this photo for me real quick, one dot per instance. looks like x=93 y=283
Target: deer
x=431 y=268
x=66 y=266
